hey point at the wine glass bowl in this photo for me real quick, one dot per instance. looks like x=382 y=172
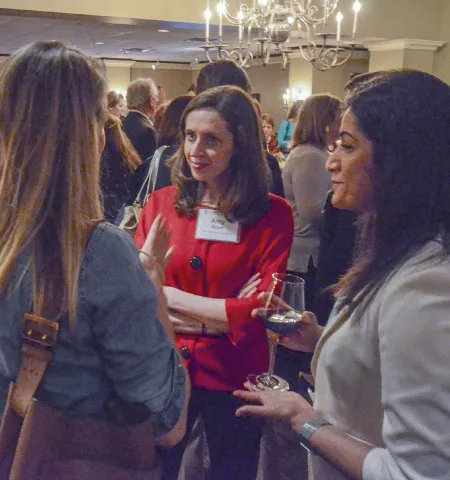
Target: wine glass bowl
x=281 y=315
x=281 y=322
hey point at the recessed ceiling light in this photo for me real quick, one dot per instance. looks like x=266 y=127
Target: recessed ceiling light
x=163 y=31
x=99 y=43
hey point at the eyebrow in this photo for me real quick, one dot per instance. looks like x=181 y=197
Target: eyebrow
x=344 y=133
x=190 y=130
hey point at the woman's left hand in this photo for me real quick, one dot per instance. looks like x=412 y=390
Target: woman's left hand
x=250 y=286
x=288 y=407
x=156 y=244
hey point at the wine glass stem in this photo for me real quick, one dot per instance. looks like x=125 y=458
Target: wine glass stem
x=273 y=354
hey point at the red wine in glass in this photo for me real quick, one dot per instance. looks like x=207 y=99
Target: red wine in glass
x=282 y=316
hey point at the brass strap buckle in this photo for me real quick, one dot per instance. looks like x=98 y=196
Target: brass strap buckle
x=39 y=332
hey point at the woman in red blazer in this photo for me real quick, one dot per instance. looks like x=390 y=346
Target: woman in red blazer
x=226 y=228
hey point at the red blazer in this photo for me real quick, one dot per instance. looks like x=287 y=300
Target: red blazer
x=223 y=363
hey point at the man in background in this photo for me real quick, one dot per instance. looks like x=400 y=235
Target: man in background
x=142 y=99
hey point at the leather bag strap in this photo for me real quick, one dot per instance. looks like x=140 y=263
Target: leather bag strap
x=38 y=339
x=150 y=180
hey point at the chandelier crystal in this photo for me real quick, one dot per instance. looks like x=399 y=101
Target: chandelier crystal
x=277 y=24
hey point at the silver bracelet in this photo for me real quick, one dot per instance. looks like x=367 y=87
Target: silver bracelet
x=153 y=259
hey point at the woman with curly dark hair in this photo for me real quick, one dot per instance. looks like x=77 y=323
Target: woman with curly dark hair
x=381 y=407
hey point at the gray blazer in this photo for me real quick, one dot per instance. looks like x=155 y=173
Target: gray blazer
x=306 y=183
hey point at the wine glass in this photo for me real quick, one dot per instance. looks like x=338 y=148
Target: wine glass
x=281 y=315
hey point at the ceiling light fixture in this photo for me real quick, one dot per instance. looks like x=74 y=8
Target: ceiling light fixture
x=275 y=21
x=99 y=43
x=162 y=30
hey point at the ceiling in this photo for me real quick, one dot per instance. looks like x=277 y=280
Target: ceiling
x=110 y=38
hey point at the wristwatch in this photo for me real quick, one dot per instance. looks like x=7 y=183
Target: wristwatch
x=309 y=429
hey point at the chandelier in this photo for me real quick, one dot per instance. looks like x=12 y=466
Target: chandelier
x=277 y=23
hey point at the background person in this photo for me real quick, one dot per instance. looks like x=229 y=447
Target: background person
x=268 y=125
x=169 y=136
x=381 y=376
x=306 y=182
x=142 y=99
x=287 y=126
x=116 y=104
x=220 y=169
x=118 y=162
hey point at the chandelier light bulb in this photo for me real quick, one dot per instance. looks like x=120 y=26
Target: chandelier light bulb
x=339 y=18
x=356 y=9
x=207 y=15
x=221 y=8
x=262 y=3
x=290 y=20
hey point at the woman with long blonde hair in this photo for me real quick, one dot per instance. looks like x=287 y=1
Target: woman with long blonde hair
x=59 y=260
x=119 y=161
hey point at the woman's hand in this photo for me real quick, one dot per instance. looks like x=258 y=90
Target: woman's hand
x=305 y=338
x=182 y=323
x=156 y=246
x=249 y=287
x=288 y=407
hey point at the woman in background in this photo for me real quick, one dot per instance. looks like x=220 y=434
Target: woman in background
x=287 y=127
x=268 y=125
x=168 y=135
x=116 y=103
x=119 y=161
x=306 y=182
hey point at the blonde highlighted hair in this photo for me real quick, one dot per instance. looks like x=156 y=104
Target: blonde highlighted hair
x=316 y=114
x=52 y=110
x=117 y=140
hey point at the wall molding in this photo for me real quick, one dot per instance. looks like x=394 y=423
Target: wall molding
x=119 y=63
x=405 y=44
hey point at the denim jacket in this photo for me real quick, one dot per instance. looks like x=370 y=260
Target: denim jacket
x=120 y=347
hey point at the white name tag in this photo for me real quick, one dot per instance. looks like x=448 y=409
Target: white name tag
x=212 y=225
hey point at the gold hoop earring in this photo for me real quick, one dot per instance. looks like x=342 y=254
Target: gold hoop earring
x=327 y=129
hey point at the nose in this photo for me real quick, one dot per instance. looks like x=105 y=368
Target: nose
x=197 y=149
x=333 y=162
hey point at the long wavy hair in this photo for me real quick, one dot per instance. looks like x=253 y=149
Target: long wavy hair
x=52 y=111
x=406 y=116
x=169 y=124
x=316 y=113
x=245 y=198
x=119 y=145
